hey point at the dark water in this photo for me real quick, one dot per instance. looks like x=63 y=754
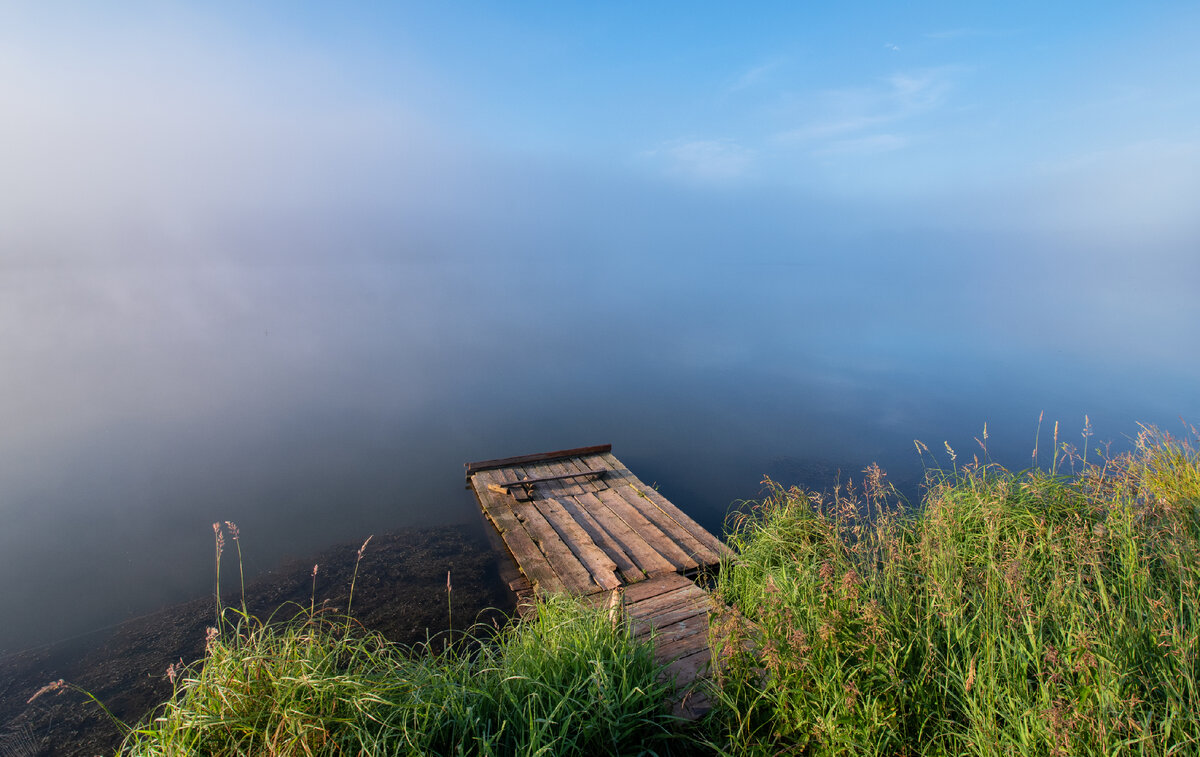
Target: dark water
x=318 y=385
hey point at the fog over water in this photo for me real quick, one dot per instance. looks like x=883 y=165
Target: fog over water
x=235 y=288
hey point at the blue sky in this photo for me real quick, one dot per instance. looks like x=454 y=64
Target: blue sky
x=979 y=105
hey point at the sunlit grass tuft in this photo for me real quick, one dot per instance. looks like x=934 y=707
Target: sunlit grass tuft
x=568 y=683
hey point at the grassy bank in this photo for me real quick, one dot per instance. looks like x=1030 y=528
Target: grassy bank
x=1032 y=613
x=569 y=683
x=1011 y=614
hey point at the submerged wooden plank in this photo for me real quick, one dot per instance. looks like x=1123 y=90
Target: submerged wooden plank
x=505 y=462
x=692 y=527
x=599 y=565
x=529 y=558
x=651 y=533
x=647 y=558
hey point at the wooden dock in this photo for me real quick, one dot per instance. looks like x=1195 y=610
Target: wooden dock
x=579 y=522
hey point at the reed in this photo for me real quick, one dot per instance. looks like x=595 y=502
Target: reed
x=1009 y=614
x=570 y=682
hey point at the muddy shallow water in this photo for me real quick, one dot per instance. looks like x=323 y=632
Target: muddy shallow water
x=400 y=592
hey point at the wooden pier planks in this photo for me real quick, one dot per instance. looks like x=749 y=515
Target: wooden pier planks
x=583 y=524
x=622 y=478
x=675 y=612
x=590 y=519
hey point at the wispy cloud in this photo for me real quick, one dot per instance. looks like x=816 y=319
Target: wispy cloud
x=754 y=76
x=869 y=145
x=704 y=160
x=963 y=33
x=850 y=117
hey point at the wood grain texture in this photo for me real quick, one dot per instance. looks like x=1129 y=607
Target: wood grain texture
x=599 y=565
x=529 y=558
x=650 y=533
x=681 y=518
x=625 y=564
x=634 y=544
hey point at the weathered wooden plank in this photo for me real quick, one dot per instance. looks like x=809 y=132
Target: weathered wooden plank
x=683 y=629
x=671 y=617
x=529 y=481
x=588 y=484
x=575 y=576
x=652 y=605
x=669 y=508
x=656 y=586
x=646 y=557
x=652 y=534
x=599 y=565
x=625 y=564
x=685 y=670
x=529 y=558
x=668 y=614
x=573 y=573
x=692 y=527
x=505 y=462
x=689 y=639
x=503 y=481
x=562 y=486
x=686 y=542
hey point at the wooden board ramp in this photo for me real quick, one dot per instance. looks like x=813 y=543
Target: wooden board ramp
x=579 y=522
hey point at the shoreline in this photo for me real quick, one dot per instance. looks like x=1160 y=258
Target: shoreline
x=400 y=593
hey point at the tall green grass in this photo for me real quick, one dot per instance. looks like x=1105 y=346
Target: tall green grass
x=570 y=682
x=1027 y=613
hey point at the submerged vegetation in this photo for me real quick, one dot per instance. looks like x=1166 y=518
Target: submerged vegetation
x=1031 y=613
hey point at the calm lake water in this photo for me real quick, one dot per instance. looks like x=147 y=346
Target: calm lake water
x=328 y=389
